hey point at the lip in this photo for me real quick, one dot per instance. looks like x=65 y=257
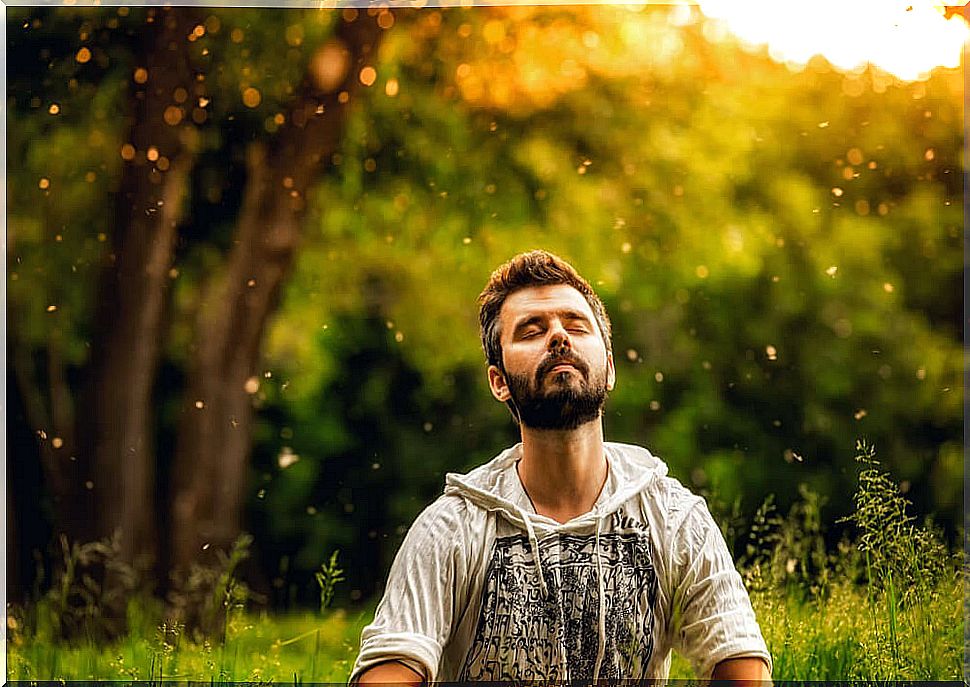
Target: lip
x=563 y=366
x=554 y=367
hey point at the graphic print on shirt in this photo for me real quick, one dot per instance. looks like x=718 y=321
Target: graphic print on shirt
x=523 y=636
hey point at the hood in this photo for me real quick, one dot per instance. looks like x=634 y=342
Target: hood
x=495 y=486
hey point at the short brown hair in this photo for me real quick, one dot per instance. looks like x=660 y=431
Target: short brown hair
x=535 y=268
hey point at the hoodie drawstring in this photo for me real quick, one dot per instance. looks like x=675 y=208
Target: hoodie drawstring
x=534 y=543
x=601 y=650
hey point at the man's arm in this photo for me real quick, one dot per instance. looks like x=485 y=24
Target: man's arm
x=392 y=672
x=747 y=668
x=714 y=625
x=413 y=622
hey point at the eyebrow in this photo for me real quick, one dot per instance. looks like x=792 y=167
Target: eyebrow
x=573 y=315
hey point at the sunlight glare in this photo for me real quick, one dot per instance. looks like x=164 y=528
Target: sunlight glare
x=906 y=38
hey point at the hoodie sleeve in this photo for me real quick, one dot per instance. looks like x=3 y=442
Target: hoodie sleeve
x=414 y=619
x=712 y=618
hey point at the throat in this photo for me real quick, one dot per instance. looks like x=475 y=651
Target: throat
x=562 y=499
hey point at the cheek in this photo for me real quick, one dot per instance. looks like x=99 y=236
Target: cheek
x=516 y=359
x=598 y=362
x=594 y=353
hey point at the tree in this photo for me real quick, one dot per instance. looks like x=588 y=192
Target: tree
x=214 y=442
x=159 y=153
x=164 y=135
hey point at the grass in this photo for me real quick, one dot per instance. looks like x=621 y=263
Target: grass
x=258 y=648
x=886 y=605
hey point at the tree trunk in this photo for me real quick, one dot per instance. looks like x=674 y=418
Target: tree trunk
x=214 y=440
x=134 y=292
x=49 y=415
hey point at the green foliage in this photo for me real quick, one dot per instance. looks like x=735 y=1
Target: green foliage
x=327 y=578
x=414 y=217
x=792 y=549
x=893 y=545
x=89 y=595
x=206 y=598
x=883 y=605
x=254 y=652
x=905 y=565
x=781 y=257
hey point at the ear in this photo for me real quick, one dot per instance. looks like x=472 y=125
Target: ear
x=610 y=372
x=498 y=385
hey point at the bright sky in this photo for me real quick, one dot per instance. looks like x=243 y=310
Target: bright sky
x=904 y=37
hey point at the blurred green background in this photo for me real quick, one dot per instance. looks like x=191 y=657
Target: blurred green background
x=244 y=250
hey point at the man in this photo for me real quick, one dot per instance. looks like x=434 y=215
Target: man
x=565 y=557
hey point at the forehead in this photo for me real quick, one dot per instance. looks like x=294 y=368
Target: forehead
x=543 y=300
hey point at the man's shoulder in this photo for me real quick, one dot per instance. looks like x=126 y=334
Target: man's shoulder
x=488 y=476
x=457 y=513
x=634 y=463
x=446 y=511
x=641 y=474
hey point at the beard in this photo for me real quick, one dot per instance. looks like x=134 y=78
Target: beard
x=557 y=401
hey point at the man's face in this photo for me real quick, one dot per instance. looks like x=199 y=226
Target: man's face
x=557 y=371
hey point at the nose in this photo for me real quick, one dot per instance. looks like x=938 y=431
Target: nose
x=559 y=339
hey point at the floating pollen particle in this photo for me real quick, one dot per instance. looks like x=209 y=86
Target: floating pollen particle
x=172 y=115
x=368 y=75
x=385 y=20
x=329 y=65
x=251 y=97
x=286 y=458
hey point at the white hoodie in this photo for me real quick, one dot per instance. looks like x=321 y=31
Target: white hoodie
x=611 y=592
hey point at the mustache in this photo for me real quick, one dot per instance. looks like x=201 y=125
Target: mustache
x=552 y=360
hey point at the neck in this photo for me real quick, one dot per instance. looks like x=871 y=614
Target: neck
x=563 y=471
